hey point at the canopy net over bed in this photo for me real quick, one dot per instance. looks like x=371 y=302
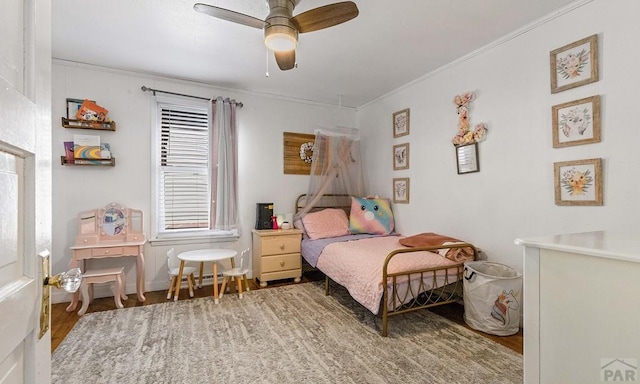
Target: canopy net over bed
x=336 y=169
x=379 y=271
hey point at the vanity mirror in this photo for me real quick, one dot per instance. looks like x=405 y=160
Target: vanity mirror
x=112 y=223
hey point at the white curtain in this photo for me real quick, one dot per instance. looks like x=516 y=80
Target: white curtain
x=336 y=168
x=224 y=167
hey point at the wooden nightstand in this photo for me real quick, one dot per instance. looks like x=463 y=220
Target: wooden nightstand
x=276 y=255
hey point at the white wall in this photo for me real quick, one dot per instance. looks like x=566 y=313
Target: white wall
x=513 y=194
x=262 y=121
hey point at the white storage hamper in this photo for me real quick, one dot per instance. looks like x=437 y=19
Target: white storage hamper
x=492 y=295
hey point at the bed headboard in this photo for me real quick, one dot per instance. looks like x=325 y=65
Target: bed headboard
x=326 y=201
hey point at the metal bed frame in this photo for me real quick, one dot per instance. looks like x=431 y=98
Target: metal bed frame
x=396 y=300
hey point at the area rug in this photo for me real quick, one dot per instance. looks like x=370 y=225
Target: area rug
x=288 y=334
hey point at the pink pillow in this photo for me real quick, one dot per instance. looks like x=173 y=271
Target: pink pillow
x=330 y=222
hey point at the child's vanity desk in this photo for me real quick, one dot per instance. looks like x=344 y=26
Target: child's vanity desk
x=112 y=231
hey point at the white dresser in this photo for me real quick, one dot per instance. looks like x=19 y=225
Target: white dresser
x=581 y=308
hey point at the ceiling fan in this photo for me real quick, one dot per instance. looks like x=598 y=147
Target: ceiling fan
x=281 y=28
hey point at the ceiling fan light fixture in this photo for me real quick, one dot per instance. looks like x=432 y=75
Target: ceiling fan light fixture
x=281 y=28
x=280 y=38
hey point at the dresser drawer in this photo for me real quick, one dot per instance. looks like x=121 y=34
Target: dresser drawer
x=80 y=254
x=277 y=245
x=102 y=252
x=281 y=262
x=288 y=274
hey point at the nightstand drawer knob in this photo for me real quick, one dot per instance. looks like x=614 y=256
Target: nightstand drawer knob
x=282 y=264
x=282 y=247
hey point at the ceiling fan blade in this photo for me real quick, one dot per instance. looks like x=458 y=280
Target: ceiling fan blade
x=286 y=59
x=325 y=17
x=225 y=14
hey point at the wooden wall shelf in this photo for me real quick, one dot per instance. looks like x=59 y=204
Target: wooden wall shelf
x=90 y=162
x=83 y=124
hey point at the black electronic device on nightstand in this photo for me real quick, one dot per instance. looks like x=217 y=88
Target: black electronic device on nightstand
x=264 y=212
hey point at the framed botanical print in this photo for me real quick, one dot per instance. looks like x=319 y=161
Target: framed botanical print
x=401 y=156
x=401 y=190
x=401 y=123
x=576 y=122
x=574 y=64
x=578 y=182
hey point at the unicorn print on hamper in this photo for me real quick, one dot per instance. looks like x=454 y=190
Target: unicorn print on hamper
x=504 y=302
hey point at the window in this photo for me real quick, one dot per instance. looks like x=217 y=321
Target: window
x=186 y=179
x=183 y=193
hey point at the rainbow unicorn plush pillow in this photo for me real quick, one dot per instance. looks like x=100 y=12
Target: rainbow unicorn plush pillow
x=372 y=216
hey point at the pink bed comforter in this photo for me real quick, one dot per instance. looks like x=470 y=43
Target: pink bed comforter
x=357 y=265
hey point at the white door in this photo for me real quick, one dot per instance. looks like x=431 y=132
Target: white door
x=25 y=186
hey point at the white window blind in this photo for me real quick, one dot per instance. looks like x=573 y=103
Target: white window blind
x=184 y=168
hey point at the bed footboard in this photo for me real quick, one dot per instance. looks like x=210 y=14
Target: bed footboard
x=407 y=291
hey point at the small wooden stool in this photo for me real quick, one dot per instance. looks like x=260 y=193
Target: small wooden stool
x=105 y=275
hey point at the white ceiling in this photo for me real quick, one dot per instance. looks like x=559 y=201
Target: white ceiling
x=389 y=44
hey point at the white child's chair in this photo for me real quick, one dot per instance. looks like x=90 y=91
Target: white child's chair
x=174 y=269
x=239 y=273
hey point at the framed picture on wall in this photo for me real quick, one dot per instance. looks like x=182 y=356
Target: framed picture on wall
x=401 y=190
x=467 y=158
x=401 y=123
x=297 y=152
x=578 y=182
x=401 y=156
x=576 y=122
x=574 y=64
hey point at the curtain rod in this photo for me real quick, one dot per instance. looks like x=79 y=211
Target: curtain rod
x=147 y=89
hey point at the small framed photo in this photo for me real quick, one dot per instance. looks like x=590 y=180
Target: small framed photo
x=401 y=190
x=73 y=105
x=576 y=122
x=401 y=156
x=401 y=123
x=574 y=64
x=467 y=158
x=578 y=182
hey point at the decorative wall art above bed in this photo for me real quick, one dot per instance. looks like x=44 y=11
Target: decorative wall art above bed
x=298 y=152
x=467 y=158
x=576 y=122
x=574 y=64
x=465 y=134
x=467 y=139
x=578 y=182
x=401 y=123
x=401 y=190
x=401 y=156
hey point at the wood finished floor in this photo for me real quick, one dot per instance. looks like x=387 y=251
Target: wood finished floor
x=62 y=321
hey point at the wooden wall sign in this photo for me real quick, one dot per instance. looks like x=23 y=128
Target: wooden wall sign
x=294 y=144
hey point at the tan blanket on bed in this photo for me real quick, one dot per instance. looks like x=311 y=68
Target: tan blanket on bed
x=430 y=239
